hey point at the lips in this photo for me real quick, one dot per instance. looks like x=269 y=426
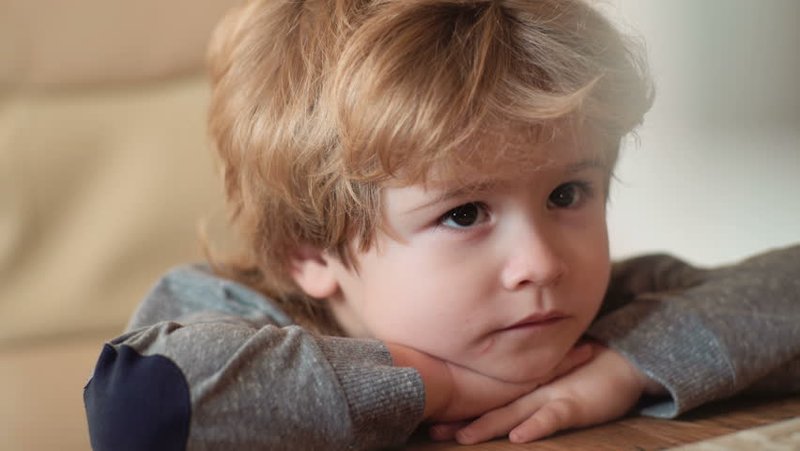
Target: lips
x=537 y=320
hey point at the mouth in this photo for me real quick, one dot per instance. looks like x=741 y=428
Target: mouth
x=536 y=321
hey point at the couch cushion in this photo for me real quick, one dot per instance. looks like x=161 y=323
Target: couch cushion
x=47 y=42
x=101 y=190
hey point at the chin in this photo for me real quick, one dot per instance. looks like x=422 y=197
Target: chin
x=536 y=364
x=510 y=369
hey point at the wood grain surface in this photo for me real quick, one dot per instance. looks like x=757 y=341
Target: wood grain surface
x=639 y=433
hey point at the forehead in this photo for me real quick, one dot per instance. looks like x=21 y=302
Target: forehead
x=507 y=154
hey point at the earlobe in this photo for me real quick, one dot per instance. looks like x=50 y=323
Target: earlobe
x=313 y=274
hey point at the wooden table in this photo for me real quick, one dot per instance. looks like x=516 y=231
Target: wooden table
x=639 y=433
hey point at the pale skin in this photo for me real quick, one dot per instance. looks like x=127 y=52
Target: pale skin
x=486 y=291
x=602 y=390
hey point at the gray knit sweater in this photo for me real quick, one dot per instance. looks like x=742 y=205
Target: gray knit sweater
x=209 y=364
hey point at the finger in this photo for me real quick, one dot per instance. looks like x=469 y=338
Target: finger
x=500 y=421
x=577 y=356
x=442 y=432
x=552 y=417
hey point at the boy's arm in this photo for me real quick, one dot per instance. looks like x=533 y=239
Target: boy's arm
x=705 y=335
x=230 y=373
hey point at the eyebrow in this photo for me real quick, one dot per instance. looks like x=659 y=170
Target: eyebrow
x=454 y=193
x=586 y=164
x=479 y=187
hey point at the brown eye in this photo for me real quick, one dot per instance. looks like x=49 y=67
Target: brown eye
x=566 y=195
x=464 y=216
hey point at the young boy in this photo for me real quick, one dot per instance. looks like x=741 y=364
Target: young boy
x=421 y=186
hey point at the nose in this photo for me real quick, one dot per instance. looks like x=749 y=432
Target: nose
x=534 y=259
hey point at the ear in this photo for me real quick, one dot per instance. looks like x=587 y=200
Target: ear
x=311 y=271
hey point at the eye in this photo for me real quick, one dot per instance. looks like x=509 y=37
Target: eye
x=464 y=216
x=568 y=195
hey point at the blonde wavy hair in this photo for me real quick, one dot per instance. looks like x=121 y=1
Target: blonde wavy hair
x=318 y=103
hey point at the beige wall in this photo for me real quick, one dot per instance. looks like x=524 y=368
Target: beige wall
x=717 y=173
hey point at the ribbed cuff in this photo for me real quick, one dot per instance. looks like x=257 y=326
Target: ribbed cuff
x=673 y=348
x=386 y=402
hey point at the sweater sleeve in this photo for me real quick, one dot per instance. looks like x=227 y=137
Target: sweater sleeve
x=208 y=364
x=706 y=334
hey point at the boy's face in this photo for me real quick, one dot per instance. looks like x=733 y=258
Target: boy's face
x=502 y=278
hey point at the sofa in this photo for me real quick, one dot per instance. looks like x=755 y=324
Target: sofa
x=106 y=180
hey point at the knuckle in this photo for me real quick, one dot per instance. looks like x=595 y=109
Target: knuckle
x=559 y=413
x=548 y=418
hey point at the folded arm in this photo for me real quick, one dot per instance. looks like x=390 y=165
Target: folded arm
x=710 y=334
x=227 y=372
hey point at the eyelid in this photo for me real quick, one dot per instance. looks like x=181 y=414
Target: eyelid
x=586 y=186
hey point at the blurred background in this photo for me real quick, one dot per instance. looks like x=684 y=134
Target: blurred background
x=105 y=170
x=716 y=173
x=105 y=174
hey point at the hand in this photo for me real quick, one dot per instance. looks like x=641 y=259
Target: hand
x=604 y=389
x=454 y=393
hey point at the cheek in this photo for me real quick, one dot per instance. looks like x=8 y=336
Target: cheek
x=596 y=275
x=591 y=264
x=593 y=239
x=419 y=301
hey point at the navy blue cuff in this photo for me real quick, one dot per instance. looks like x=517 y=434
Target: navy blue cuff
x=136 y=402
